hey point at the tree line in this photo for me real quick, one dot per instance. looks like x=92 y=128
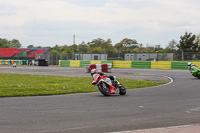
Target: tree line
x=187 y=43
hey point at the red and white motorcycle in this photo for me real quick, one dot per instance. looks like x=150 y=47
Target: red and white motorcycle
x=104 y=84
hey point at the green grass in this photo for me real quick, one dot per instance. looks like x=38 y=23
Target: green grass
x=34 y=85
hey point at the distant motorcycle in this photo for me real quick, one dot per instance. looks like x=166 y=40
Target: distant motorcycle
x=194 y=70
x=104 y=84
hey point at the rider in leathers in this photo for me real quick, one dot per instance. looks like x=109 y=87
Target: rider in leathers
x=191 y=66
x=114 y=81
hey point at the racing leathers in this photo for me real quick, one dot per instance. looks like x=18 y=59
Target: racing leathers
x=115 y=83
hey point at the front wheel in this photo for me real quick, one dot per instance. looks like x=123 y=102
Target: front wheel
x=104 y=89
x=122 y=90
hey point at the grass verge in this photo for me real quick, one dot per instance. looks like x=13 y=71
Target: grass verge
x=12 y=85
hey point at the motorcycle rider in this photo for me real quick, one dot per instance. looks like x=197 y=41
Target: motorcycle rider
x=113 y=80
x=191 y=66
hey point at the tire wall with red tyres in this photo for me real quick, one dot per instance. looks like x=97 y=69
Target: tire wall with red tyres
x=100 y=67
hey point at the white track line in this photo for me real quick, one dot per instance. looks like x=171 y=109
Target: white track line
x=151 y=129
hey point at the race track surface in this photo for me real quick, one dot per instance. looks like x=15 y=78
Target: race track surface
x=174 y=104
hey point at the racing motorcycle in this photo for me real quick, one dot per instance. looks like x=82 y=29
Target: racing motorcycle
x=105 y=86
x=195 y=71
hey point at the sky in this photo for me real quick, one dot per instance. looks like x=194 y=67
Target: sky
x=55 y=22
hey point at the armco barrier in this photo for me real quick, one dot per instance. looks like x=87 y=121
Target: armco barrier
x=160 y=65
x=196 y=63
x=122 y=64
x=179 y=65
x=95 y=62
x=74 y=63
x=64 y=63
x=83 y=63
x=106 y=62
x=141 y=64
x=125 y=64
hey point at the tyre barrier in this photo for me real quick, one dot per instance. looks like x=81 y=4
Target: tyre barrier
x=99 y=67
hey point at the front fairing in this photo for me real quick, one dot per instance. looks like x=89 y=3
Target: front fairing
x=195 y=70
x=96 y=78
x=107 y=81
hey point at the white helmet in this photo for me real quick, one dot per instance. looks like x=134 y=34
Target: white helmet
x=93 y=71
x=189 y=63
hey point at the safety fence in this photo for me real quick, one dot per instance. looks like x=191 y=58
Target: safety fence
x=130 y=64
x=10 y=62
x=114 y=64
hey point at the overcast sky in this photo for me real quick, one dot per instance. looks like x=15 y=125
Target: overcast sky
x=51 y=22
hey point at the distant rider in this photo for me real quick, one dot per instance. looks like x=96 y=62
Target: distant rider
x=191 y=66
x=114 y=81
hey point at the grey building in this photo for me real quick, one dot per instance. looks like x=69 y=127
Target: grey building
x=85 y=56
x=148 y=56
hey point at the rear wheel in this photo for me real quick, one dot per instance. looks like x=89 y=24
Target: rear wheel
x=122 y=90
x=104 y=89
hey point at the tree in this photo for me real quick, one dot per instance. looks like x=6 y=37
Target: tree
x=151 y=48
x=197 y=39
x=95 y=50
x=126 y=45
x=171 y=47
x=119 y=47
x=129 y=44
x=64 y=48
x=83 y=47
x=74 y=48
x=3 y=43
x=14 y=43
x=187 y=43
x=96 y=42
x=105 y=46
x=30 y=46
x=188 y=47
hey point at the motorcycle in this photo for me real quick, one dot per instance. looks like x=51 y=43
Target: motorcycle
x=195 y=71
x=104 y=84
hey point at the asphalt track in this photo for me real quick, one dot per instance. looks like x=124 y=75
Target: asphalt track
x=174 y=104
